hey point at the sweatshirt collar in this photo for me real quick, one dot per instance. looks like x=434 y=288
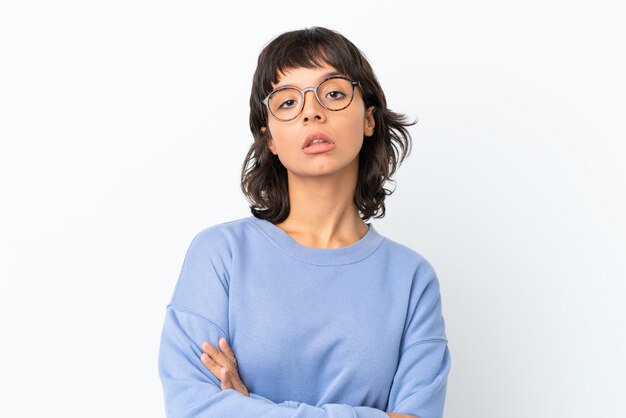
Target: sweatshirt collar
x=322 y=256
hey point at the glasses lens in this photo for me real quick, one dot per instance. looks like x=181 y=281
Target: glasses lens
x=335 y=93
x=285 y=103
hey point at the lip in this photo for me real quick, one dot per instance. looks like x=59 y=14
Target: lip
x=316 y=135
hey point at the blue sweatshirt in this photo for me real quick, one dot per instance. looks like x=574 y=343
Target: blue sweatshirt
x=347 y=332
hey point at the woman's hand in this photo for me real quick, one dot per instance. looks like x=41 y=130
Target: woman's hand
x=223 y=365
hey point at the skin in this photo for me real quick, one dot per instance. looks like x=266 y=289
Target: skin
x=223 y=364
x=321 y=188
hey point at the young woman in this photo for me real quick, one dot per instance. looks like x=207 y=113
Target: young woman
x=303 y=309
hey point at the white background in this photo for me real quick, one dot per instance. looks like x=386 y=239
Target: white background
x=124 y=125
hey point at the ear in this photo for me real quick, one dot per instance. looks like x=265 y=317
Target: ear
x=270 y=140
x=369 y=123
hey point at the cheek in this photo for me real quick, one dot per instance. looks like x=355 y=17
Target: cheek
x=275 y=133
x=353 y=123
x=353 y=128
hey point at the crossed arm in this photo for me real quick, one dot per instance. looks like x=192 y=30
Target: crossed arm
x=419 y=383
x=223 y=364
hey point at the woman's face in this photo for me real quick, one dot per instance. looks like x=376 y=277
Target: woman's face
x=345 y=128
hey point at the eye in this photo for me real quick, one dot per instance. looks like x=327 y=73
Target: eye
x=287 y=104
x=284 y=99
x=335 y=95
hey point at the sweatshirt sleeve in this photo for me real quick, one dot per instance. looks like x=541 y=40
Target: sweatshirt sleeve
x=420 y=381
x=198 y=312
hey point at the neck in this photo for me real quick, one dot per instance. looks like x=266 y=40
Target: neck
x=322 y=211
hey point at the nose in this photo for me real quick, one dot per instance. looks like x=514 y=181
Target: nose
x=312 y=108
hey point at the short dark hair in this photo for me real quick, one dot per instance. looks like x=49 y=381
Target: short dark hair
x=264 y=178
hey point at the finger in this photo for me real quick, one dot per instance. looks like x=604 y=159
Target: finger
x=240 y=387
x=232 y=382
x=215 y=354
x=210 y=364
x=226 y=382
x=228 y=352
x=235 y=382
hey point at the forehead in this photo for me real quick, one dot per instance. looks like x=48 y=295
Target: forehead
x=303 y=77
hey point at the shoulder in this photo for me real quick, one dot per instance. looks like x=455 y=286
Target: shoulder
x=411 y=265
x=218 y=242
x=222 y=233
x=210 y=254
x=405 y=255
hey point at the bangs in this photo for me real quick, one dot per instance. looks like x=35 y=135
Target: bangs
x=308 y=56
x=309 y=48
x=264 y=179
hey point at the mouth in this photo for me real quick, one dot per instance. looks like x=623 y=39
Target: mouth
x=317 y=138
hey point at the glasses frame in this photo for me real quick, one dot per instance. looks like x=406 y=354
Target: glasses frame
x=302 y=93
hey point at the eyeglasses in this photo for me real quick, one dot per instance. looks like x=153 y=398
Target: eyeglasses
x=334 y=93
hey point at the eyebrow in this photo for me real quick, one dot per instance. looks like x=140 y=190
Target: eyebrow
x=322 y=77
